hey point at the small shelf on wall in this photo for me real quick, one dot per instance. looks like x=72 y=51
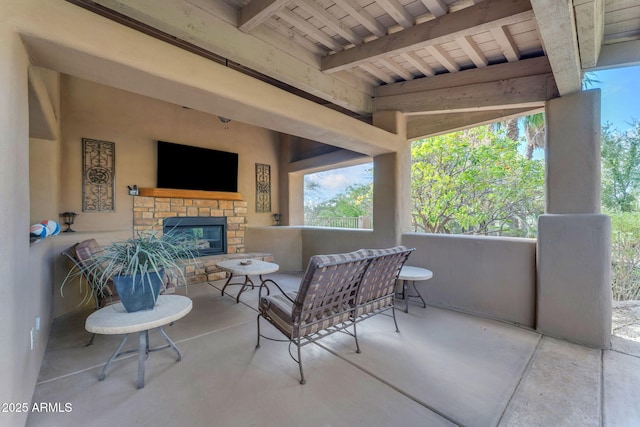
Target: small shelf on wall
x=189 y=194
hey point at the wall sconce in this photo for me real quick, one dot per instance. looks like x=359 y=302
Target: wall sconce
x=276 y=218
x=68 y=218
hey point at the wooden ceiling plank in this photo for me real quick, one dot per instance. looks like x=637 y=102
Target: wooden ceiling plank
x=419 y=127
x=509 y=70
x=472 y=20
x=329 y=20
x=362 y=16
x=397 y=12
x=556 y=23
x=417 y=62
x=258 y=11
x=505 y=40
x=436 y=7
x=443 y=58
x=524 y=92
x=396 y=68
x=309 y=29
x=473 y=51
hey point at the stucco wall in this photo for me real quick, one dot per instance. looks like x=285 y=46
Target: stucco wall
x=284 y=243
x=487 y=276
x=23 y=285
x=134 y=122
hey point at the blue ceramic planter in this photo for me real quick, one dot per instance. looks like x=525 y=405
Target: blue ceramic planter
x=143 y=295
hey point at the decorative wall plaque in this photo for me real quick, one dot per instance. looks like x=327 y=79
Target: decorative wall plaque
x=98 y=175
x=263 y=188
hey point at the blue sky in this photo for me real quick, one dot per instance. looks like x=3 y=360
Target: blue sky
x=620 y=95
x=620 y=102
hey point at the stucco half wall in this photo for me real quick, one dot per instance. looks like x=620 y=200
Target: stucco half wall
x=488 y=276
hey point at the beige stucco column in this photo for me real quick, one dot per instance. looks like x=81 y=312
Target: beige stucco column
x=392 y=183
x=18 y=363
x=574 y=239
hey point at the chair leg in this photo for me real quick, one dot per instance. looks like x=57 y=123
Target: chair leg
x=355 y=335
x=258 y=320
x=302 y=380
x=393 y=311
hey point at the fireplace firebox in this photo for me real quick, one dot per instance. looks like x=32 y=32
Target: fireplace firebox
x=210 y=232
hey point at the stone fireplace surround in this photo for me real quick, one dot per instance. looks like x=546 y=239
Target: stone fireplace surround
x=152 y=205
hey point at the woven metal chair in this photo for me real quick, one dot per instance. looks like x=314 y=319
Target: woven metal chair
x=330 y=297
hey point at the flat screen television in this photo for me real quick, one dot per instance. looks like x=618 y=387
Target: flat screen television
x=193 y=168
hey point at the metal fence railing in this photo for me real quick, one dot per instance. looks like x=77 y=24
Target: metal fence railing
x=338 y=222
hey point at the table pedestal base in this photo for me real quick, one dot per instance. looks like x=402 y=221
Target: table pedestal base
x=406 y=296
x=248 y=283
x=143 y=352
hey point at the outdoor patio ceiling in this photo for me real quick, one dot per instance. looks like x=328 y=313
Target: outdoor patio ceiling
x=446 y=64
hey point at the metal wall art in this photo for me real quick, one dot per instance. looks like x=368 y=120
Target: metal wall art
x=98 y=175
x=263 y=188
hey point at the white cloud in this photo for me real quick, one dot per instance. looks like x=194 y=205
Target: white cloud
x=335 y=181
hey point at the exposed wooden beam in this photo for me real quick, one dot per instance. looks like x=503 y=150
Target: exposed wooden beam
x=309 y=29
x=363 y=17
x=315 y=10
x=473 y=51
x=439 y=124
x=376 y=72
x=619 y=55
x=209 y=33
x=397 y=12
x=590 y=24
x=417 y=62
x=443 y=58
x=480 y=17
x=257 y=11
x=508 y=46
x=396 y=68
x=557 y=27
x=524 y=92
x=436 y=7
x=492 y=73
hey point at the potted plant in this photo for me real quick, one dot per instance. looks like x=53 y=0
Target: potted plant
x=137 y=266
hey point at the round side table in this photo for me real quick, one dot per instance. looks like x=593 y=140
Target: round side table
x=115 y=320
x=241 y=267
x=413 y=274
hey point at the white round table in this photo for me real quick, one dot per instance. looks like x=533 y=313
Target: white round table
x=115 y=320
x=413 y=274
x=241 y=268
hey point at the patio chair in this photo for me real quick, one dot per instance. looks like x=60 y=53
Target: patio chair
x=81 y=255
x=321 y=305
x=336 y=292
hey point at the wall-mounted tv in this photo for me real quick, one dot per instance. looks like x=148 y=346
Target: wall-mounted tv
x=193 y=168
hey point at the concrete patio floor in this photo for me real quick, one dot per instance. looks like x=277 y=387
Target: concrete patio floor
x=443 y=368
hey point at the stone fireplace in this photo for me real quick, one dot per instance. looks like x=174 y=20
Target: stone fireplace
x=154 y=205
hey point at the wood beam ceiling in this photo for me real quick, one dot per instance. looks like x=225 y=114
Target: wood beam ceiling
x=447 y=28
x=556 y=24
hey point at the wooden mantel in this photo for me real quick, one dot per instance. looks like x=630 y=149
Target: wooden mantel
x=189 y=194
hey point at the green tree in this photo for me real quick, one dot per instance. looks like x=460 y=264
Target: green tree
x=476 y=182
x=534 y=131
x=356 y=200
x=621 y=168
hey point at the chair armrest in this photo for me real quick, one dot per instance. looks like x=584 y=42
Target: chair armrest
x=264 y=285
